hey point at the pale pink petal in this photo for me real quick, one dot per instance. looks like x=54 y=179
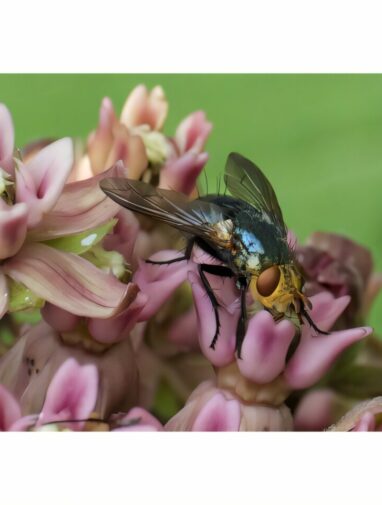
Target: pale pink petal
x=218 y=414
x=100 y=142
x=145 y=421
x=116 y=328
x=24 y=423
x=71 y=395
x=7 y=139
x=224 y=351
x=366 y=423
x=315 y=355
x=315 y=410
x=326 y=309
x=159 y=282
x=59 y=319
x=13 y=229
x=181 y=173
x=69 y=281
x=3 y=295
x=81 y=206
x=265 y=347
x=39 y=182
x=142 y=107
x=193 y=132
x=10 y=410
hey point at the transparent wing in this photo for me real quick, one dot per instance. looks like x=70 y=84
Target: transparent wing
x=246 y=181
x=194 y=217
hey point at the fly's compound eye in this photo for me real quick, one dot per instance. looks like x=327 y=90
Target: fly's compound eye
x=268 y=281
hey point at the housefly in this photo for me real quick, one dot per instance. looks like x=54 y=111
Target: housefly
x=245 y=231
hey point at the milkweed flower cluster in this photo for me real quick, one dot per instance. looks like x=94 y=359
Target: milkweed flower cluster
x=95 y=338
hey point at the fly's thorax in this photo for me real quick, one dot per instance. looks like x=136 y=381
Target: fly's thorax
x=278 y=288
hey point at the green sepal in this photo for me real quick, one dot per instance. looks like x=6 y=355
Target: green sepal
x=22 y=298
x=82 y=242
x=109 y=261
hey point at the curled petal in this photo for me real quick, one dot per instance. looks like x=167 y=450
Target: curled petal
x=158 y=282
x=13 y=229
x=142 y=107
x=218 y=414
x=265 y=347
x=10 y=410
x=116 y=328
x=40 y=181
x=71 y=395
x=326 y=309
x=193 y=132
x=124 y=235
x=69 y=281
x=81 y=206
x=4 y=296
x=7 y=138
x=315 y=355
x=361 y=417
x=180 y=174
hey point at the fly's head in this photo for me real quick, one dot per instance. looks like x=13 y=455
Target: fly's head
x=279 y=289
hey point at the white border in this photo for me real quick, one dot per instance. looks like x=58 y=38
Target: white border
x=188 y=469
x=193 y=36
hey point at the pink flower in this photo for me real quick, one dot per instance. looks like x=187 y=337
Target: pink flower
x=210 y=408
x=28 y=368
x=71 y=395
x=10 y=411
x=188 y=159
x=144 y=108
x=266 y=343
x=40 y=208
x=316 y=410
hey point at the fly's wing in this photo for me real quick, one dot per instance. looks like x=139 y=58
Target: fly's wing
x=193 y=217
x=246 y=181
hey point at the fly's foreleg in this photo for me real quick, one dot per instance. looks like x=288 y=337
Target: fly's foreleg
x=242 y=284
x=185 y=257
x=220 y=271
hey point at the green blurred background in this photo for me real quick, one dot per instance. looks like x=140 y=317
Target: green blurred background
x=317 y=137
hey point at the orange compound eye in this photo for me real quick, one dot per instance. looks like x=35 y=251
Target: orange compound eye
x=268 y=281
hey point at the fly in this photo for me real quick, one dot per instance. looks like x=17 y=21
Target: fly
x=245 y=231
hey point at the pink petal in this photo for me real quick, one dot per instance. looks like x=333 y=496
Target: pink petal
x=142 y=107
x=69 y=281
x=326 y=309
x=181 y=174
x=39 y=182
x=147 y=422
x=7 y=139
x=184 y=331
x=3 y=295
x=124 y=235
x=71 y=395
x=158 y=282
x=59 y=319
x=315 y=355
x=218 y=414
x=100 y=142
x=13 y=229
x=265 y=347
x=10 y=410
x=116 y=328
x=224 y=352
x=81 y=206
x=315 y=410
x=193 y=132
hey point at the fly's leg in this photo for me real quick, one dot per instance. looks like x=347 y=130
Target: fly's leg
x=220 y=271
x=186 y=256
x=242 y=284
